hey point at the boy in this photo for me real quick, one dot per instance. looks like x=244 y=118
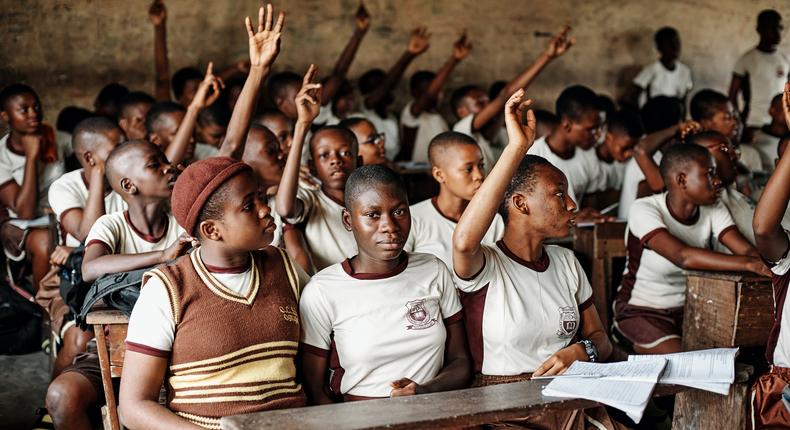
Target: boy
x=766 y=139
x=669 y=233
x=212 y=122
x=420 y=120
x=761 y=72
x=665 y=77
x=371 y=142
x=768 y=410
x=279 y=124
x=623 y=131
x=477 y=115
x=457 y=165
x=131 y=117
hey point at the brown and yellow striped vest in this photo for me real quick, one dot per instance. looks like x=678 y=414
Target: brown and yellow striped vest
x=231 y=354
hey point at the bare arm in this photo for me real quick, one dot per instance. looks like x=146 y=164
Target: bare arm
x=24 y=199
x=78 y=221
x=296 y=246
x=689 y=257
x=314 y=369
x=158 y=15
x=332 y=85
x=740 y=84
x=418 y=43
x=644 y=150
x=98 y=261
x=737 y=244
x=592 y=330
x=427 y=100
x=468 y=257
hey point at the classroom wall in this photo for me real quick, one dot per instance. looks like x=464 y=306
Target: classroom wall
x=68 y=49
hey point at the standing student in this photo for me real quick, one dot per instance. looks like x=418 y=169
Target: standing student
x=525 y=301
x=420 y=120
x=477 y=115
x=392 y=317
x=773 y=243
x=761 y=72
x=665 y=77
x=766 y=139
x=666 y=234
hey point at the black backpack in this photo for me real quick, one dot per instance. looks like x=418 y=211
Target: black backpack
x=118 y=290
x=72 y=288
x=20 y=323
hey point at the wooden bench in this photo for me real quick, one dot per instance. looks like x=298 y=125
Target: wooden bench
x=110 y=327
x=596 y=247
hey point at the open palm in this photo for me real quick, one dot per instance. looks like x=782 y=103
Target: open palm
x=265 y=43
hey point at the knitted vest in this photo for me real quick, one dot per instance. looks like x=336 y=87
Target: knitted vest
x=231 y=354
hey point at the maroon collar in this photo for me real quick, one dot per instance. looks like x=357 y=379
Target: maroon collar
x=693 y=219
x=435 y=203
x=146 y=237
x=228 y=270
x=402 y=264
x=538 y=266
x=340 y=202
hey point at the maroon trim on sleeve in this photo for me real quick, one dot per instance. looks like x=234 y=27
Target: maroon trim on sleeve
x=99 y=242
x=587 y=303
x=473 y=276
x=727 y=230
x=147 y=350
x=780 y=286
x=455 y=318
x=651 y=234
x=310 y=349
x=474 y=309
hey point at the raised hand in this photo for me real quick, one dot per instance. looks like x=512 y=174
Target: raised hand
x=560 y=43
x=687 y=128
x=462 y=47
x=208 y=90
x=32 y=144
x=786 y=102
x=362 y=18
x=308 y=99
x=157 y=13
x=179 y=248
x=419 y=40
x=517 y=132
x=265 y=43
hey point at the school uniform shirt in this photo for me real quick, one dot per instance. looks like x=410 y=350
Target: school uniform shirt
x=519 y=313
x=632 y=176
x=742 y=211
x=428 y=125
x=767 y=146
x=656 y=80
x=583 y=170
x=12 y=169
x=650 y=279
x=325 y=117
x=613 y=174
x=465 y=126
x=767 y=73
x=387 y=125
x=204 y=150
x=432 y=232
x=277 y=240
x=779 y=338
x=385 y=326
x=750 y=157
x=116 y=233
x=70 y=191
x=328 y=239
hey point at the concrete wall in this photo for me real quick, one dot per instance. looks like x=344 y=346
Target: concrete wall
x=68 y=49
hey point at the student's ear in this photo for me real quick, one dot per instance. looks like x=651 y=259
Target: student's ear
x=680 y=179
x=566 y=124
x=519 y=201
x=4 y=116
x=278 y=102
x=347 y=219
x=210 y=230
x=127 y=186
x=438 y=174
x=88 y=157
x=123 y=123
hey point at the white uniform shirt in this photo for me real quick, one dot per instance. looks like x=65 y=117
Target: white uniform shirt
x=465 y=126
x=751 y=158
x=742 y=211
x=386 y=326
x=428 y=125
x=781 y=271
x=325 y=117
x=767 y=145
x=657 y=80
x=767 y=74
x=204 y=150
x=518 y=314
x=583 y=170
x=631 y=178
x=71 y=192
x=116 y=233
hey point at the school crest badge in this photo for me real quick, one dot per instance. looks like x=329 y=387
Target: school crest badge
x=569 y=321
x=418 y=315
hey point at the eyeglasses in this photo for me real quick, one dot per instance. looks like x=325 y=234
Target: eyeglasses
x=374 y=139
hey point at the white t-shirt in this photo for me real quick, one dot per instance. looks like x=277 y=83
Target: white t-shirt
x=583 y=170
x=432 y=233
x=12 y=168
x=328 y=239
x=388 y=126
x=657 y=80
x=767 y=73
x=742 y=211
x=325 y=117
x=116 y=233
x=385 y=327
x=518 y=313
x=631 y=178
x=767 y=145
x=71 y=192
x=465 y=126
x=428 y=125
x=151 y=323
x=782 y=352
x=614 y=173
x=653 y=280
x=204 y=150
x=751 y=158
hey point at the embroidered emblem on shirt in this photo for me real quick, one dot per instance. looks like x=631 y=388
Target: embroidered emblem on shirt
x=568 y=322
x=418 y=315
x=289 y=314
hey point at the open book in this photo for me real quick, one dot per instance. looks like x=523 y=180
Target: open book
x=709 y=369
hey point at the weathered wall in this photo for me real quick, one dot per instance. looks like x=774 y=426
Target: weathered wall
x=69 y=49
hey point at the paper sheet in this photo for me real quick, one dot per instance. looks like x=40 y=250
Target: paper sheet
x=630 y=397
x=710 y=369
x=636 y=371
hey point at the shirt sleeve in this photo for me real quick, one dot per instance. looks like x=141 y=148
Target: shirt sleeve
x=645 y=219
x=407 y=119
x=6 y=169
x=104 y=231
x=308 y=201
x=465 y=125
x=324 y=115
x=645 y=76
x=151 y=327
x=316 y=319
x=782 y=266
x=449 y=302
x=742 y=65
x=63 y=140
x=484 y=277
x=720 y=219
x=62 y=197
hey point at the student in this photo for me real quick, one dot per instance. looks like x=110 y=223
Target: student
x=457 y=165
x=547 y=121
x=283 y=88
x=623 y=131
x=212 y=122
x=69 y=117
x=108 y=100
x=393 y=318
x=279 y=124
x=532 y=337
x=371 y=142
x=768 y=410
x=766 y=139
x=666 y=234
x=420 y=120
x=476 y=113
x=667 y=76
x=761 y=72
x=131 y=116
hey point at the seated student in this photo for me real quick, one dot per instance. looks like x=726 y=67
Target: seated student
x=142 y=236
x=420 y=119
x=283 y=88
x=212 y=122
x=371 y=142
x=131 y=114
x=547 y=121
x=279 y=124
x=766 y=138
x=69 y=117
x=457 y=165
x=108 y=101
x=666 y=77
x=623 y=131
x=513 y=334
x=767 y=408
x=668 y=233
x=477 y=114
x=356 y=308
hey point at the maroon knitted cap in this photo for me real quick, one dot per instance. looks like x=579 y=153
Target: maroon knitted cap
x=197 y=183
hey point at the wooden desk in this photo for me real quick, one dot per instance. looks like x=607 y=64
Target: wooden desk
x=110 y=327
x=452 y=409
x=596 y=247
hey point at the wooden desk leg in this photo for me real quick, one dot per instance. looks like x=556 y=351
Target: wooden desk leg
x=106 y=376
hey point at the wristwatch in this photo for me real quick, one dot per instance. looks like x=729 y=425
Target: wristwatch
x=590 y=349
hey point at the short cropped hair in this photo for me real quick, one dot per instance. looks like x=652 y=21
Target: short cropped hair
x=420 y=79
x=70 y=116
x=625 y=122
x=154 y=115
x=216 y=114
x=214 y=209
x=181 y=77
x=135 y=97
x=665 y=35
x=279 y=82
x=680 y=157
x=697 y=138
x=661 y=112
x=88 y=126
x=575 y=100
x=542 y=116
x=706 y=103
x=524 y=179
x=366 y=177
x=111 y=94
x=443 y=140
x=345 y=134
x=353 y=122
x=457 y=98
x=768 y=17
x=14 y=90
x=116 y=157
x=370 y=80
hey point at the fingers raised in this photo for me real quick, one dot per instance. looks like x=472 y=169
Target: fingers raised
x=309 y=75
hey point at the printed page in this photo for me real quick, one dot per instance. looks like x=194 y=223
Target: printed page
x=630 y=397
x=708 y=366
x=637 y=371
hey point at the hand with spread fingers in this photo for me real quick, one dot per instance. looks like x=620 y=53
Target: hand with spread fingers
x=265 y=42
